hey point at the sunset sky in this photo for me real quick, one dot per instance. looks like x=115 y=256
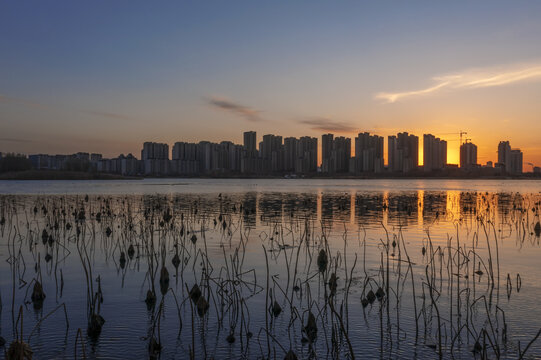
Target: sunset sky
x=105 y=76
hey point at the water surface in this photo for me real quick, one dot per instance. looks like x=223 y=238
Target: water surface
x=473 y=251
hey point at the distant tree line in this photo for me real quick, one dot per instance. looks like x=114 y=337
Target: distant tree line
x=77 y=165
x=14 y=162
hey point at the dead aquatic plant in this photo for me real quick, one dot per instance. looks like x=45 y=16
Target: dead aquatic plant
x=79 y=338
x=333 y=283
x=154 y=345
x=202 y=306
x=322 y=260
x=150 y=299
x=176 y=260
x=38 y=324
x=164 y=273
x=122 y=260
x=164 y=280
x=154 y=348
x=38 y=296
x=18 y=349
x=310 y=329
x=276 y=309
x=451 y=276
x=95 y=321
x=290 y=355
x=95 y=325
x=195 y=293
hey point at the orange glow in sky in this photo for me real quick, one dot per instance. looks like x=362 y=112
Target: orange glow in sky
x=77 y=80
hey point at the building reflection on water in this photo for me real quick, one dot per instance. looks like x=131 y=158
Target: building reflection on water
x=421 y=209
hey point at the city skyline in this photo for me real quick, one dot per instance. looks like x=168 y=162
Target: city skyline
x=270 y=179
x=90 y=76
x=275 y=155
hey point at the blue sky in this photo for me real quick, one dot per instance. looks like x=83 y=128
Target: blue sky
x=104 y=76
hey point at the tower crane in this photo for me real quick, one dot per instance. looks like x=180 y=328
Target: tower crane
x=463 y=133
x=460 y=133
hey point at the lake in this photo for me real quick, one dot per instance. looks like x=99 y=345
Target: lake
x=271 y=268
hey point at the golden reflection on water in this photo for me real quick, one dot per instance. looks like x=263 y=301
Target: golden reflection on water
x=442 y=214
x=420 y=210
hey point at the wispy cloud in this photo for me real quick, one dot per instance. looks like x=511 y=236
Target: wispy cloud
x=15 y=140
x=235 y=108
x=109 y=115
x=323 y=124
x=25 y=102
x=34 y=104
x=471 y=79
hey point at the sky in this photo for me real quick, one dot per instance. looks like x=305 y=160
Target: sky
x=105 y=76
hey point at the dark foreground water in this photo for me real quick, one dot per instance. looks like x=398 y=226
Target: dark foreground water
x=317 y=268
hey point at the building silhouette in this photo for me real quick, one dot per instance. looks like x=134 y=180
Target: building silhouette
x=326 y=152
x=155 y=158
x=335 y=154
x=306 y=161
x=504 y=154
x=516 y=162
x=434 y=153
x=468 y=156
x=185 y=159
x=290 y=156
x=403 y=152
x=368 y=154
x=250 y=142
x=509 y=160
x=250 y=157
x=271 y=151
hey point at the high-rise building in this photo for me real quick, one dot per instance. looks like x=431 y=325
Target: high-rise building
x=340 y=155
x=96 y=157
x=335 y=153
x=403 y=152
x=128 y=165
x=155 y=158
x=290 y=153
x=250 y=141
x=271 y=153
x=468 y=155
x=434 y=153
x=306 y=155
x=516 y=164
x=368 y=154
x=152 y=150
x=504 y=154
x=326 y=152
x=511 y=160
x=185 y=159
x=232 y=155
x=250 y=157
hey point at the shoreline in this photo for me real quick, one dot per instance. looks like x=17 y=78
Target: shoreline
x=76 y=175
x=62 y=175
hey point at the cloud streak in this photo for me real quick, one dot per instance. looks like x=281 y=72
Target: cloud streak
x=109 y=115
x=16 y=140
x=12 y=100
x=323 y=124
x=33 y=104
x=235 y=108
x=470 y=79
